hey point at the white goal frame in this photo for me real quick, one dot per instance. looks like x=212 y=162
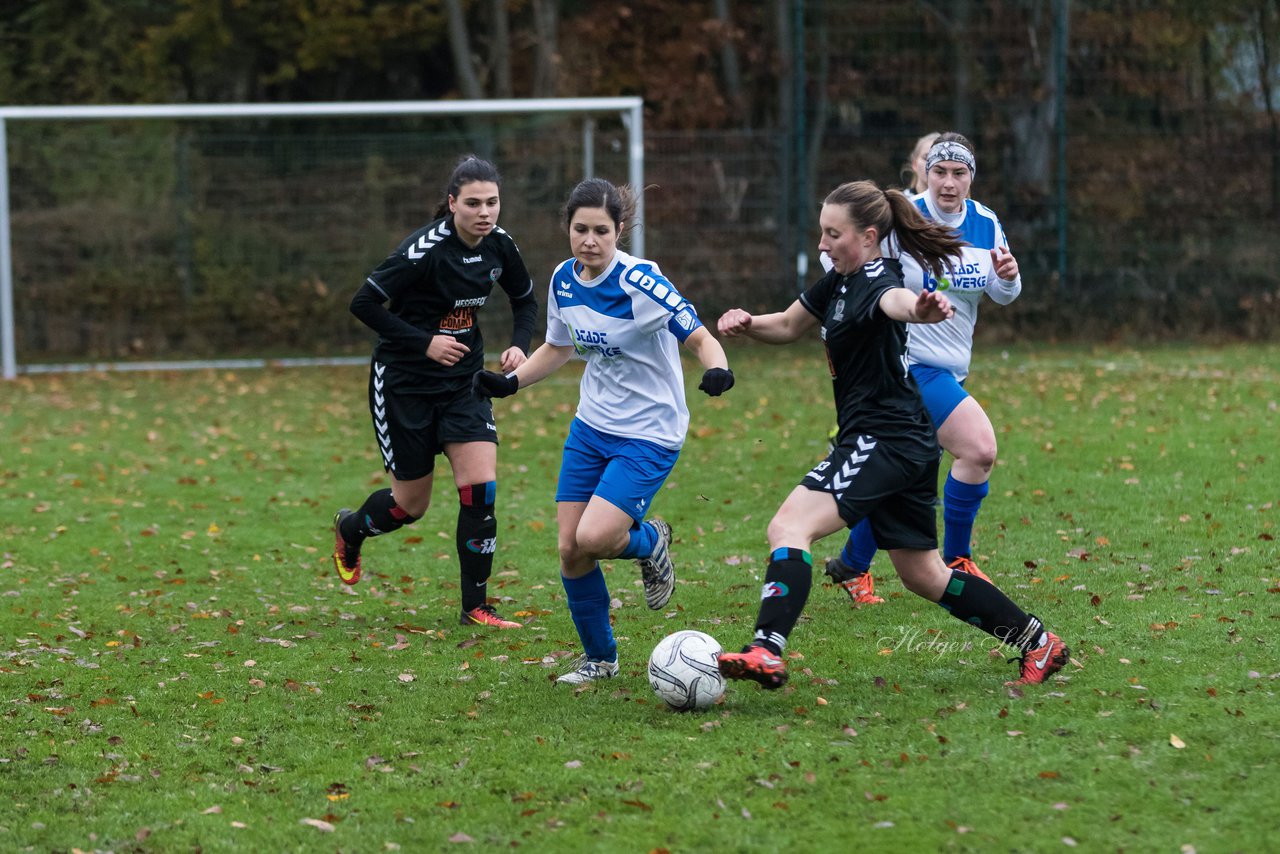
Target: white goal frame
x=630 y=109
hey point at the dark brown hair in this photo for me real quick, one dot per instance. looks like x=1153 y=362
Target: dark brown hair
x=618 y=202
x=469 y=170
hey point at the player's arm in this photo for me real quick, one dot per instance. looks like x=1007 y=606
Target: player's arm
x=779 y=327
x=1004 y=283
x=899 y=303
x=544 y=361
x=369 y=306
x=708 y=350
x=716 y=378
x=391 y=278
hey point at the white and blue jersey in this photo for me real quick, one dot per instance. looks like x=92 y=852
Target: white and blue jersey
x=627 y=325
x=949 y=345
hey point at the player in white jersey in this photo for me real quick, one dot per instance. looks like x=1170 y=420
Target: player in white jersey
x=939 y=355
x=626 y=320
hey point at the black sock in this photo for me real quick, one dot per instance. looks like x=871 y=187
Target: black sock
x=786 y=588
x=378 y=515
x=980 y=603
x=477 y=537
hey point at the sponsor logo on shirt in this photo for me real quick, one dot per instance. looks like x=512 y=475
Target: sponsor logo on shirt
x=586 y=340
x=458 y=320
x=965 y=277
x=469 y=303
x=685 y=319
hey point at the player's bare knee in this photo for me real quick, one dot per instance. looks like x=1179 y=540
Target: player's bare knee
x=986 y=456
x=593 y=544
x=781 y=533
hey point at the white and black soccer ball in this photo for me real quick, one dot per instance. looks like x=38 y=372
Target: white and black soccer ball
x=684 y=670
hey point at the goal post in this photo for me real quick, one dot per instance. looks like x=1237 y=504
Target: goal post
x=628 y=109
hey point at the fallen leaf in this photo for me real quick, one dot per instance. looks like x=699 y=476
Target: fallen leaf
x=318 y=824
x=1177 y=742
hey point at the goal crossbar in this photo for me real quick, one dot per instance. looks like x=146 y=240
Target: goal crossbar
x=629 y=108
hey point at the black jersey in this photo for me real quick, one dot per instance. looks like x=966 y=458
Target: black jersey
x=433 y=284
x=866 y=352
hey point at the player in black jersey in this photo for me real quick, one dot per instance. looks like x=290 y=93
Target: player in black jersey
x=422 y=302
x=884 y=465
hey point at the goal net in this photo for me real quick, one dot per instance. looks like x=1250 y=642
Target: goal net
x=205 y=235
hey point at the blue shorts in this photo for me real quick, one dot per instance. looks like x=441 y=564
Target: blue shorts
x=625 y=472
x=940 y=390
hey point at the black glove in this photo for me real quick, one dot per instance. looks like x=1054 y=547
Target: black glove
x=493 y=384
x=716 y=381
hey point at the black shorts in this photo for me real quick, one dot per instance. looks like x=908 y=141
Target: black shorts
x=413 y=423
x=896 y=491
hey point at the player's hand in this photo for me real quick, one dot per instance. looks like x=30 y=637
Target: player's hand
x=512 y=358
x=933 y=307
x=734 y=322
x=1006 y=266
x=446 y=350
x=485 y=384
x=716 y=381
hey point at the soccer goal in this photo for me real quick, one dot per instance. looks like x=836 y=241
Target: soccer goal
x=204 y=235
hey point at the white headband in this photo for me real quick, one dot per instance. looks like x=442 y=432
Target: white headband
x=950 y=151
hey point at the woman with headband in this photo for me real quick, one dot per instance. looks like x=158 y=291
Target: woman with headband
x=939 y=355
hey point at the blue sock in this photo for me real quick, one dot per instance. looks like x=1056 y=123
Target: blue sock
x=960 y=503
x=588 y=598
x=860 y=548
x=643 y=538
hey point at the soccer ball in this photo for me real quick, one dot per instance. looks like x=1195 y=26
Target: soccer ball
x=684 y=670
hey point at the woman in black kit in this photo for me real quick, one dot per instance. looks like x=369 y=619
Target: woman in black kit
x=883 y=465
x=422 y=302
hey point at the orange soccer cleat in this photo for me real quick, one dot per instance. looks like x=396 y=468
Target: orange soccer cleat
x=1039 y=664
x=755 y=663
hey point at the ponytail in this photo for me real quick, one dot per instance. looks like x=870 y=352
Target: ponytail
x=929 y=242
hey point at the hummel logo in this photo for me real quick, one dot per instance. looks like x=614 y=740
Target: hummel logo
x=419 y=248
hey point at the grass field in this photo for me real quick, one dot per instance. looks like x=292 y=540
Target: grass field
x=182 y=671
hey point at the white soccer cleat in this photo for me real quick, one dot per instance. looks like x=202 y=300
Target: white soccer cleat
x=584 y=670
